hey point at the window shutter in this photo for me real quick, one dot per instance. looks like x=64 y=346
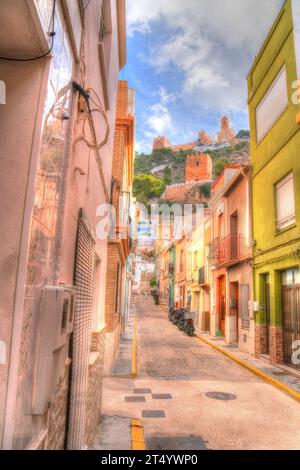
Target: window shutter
x=272 y=105
x=285 y=202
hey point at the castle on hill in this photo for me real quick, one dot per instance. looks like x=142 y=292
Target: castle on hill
x=225 y=137
x=198 y=172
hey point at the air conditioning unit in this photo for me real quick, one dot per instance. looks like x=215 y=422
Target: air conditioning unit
x=55 y=324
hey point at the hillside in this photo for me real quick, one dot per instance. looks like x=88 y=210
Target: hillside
x=157 y=162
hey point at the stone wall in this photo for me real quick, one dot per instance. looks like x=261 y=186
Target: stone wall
x=57 y=414
x=260 y=340
x=185 y=192
x=276 y=345
x=94 y=392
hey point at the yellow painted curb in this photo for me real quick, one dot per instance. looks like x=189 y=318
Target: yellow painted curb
x=137 y=435
x=134 y=348
x=262 y=375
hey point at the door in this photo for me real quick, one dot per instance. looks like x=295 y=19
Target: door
x=268 y=313
x=234 y=305
x=290 y=314
x=222 y=303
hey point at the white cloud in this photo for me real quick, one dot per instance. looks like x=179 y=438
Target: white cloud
x=212 y=42
x=159 y=120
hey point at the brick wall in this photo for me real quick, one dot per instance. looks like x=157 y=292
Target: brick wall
x=113 y=258
x=122 y=102
x=118 y=167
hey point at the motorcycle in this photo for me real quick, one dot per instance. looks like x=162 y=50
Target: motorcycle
x=155 y=294
x=184 y=319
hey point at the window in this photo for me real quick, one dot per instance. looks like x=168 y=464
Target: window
x=272 y=106
x=285 y=203
x=196 y=260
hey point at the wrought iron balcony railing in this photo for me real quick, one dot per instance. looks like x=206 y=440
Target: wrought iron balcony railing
x=229 y=250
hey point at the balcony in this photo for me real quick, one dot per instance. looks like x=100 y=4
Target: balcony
x=229 y=250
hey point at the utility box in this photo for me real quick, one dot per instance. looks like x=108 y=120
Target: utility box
x=55 y=325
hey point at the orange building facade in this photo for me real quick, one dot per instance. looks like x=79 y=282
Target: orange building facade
x=198 y=167
x=117 y=290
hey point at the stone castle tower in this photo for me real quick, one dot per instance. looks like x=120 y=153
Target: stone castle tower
x=226 y=134
x=198 y=167
x=161 y=142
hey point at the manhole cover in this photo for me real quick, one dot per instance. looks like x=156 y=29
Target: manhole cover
x=135 y=399
x=221 y=396
x=142 y=391
x=162 y=396
x=153 y=414
x=176 y=443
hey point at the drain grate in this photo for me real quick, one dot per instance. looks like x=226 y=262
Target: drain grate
x=142 y=391
x=221 y=396
x=162 y=396
x=135 y=399
x=176 y=443
x=153 y=414
x=281 y=374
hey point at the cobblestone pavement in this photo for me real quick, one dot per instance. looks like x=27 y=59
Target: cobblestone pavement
x=189 y=396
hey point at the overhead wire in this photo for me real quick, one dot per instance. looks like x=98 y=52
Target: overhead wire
x=51 y=34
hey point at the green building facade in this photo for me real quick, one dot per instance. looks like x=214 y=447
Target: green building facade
x=275 y=154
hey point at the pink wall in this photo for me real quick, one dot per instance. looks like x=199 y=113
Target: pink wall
x=20 y=134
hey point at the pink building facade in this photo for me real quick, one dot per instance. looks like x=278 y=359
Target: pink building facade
x=56 y=165
x=230 y=259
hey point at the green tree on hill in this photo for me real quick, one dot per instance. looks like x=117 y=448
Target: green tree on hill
x=220 y=165
x=147 y=187
x=167 y=176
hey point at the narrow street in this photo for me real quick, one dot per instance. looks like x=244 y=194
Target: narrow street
x=184 y=412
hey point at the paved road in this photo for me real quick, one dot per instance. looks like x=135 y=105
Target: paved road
x=195 y=380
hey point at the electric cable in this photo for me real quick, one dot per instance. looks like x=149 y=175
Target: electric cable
x=51 y=34
x=84 y=8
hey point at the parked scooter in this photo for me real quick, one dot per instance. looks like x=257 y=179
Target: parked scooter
x=155 y=294
x=184 y=319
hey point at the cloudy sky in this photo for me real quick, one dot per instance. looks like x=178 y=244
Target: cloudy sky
x=188 y=60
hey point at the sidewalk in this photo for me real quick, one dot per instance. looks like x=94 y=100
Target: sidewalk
x=119 y=432
x=123 y=363
x=287 y=382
